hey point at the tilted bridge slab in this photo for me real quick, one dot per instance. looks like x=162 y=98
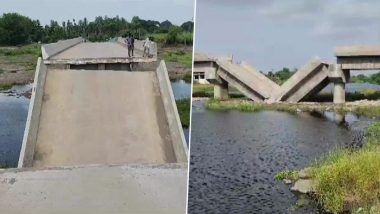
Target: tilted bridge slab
x=245 y=78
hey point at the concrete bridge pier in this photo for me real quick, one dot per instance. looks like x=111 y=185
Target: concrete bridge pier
x=340 y=86
x=339 y=92
x=221 y=89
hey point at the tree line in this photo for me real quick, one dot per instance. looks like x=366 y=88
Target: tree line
x=16 y=29
x=281 y=76
x=361 y=78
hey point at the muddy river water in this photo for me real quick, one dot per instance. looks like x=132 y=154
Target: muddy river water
x=235 y=156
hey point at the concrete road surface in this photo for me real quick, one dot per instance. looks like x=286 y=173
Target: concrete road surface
x=95 y=190
x=96 y=50
x=102 y=117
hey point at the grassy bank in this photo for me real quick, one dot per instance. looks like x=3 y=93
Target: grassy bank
x=184 y=38
x=5 y=86
x=365 y=94
x=350 y=180
x=33 y=49
x=250 y=106
x=183 y=107
x=182 y=57
x=17 y=64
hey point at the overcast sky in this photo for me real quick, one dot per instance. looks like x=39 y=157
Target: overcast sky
x=272 y=34
x=176 y=11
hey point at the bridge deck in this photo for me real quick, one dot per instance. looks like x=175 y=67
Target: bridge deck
x=357 y=50
x=96 y=50
x=102 y=117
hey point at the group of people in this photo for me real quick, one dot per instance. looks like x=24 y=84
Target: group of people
x=130 y=41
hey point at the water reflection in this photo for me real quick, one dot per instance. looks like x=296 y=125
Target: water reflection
x=235 y=155
x=13 y=112
x=181 y=89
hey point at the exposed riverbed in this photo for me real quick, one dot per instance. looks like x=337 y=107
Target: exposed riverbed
x=235 y=156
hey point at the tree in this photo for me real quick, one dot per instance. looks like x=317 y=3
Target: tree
x=188 y=26
x=172 y=36
x=16 y=29
x=165 y=26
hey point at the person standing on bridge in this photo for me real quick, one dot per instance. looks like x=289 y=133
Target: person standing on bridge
x=146 y=47
x=130 y=44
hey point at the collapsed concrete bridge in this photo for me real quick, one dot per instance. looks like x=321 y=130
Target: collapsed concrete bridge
x=97 y=132
x=306 y=82
x=223 y=72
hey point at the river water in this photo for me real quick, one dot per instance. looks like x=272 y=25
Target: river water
x=14 y=105
x=13 y=112
x=235 y=156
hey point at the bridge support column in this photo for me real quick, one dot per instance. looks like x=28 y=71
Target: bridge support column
x=221 y=90
x=339 y=93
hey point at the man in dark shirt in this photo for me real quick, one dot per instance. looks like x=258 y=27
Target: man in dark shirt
x=130 y=44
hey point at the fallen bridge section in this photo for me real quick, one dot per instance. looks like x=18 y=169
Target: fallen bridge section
x=247 y=80
x=307 y=81
x=81 y=117
x=157 y=189
x=243 y=77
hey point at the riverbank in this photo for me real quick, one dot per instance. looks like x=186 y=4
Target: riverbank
x=363 y=107
x=17 y=65
x=183 y=106
x=178 y=60
x=345 y=180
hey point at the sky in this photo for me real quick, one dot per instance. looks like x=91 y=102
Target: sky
x=272 y=34
x=176 y=11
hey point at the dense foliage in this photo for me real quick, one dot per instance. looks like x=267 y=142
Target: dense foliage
x=16 y=29
x=374 y=78
x=281 y=76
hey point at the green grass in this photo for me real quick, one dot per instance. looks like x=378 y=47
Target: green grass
x=250 y=106
x=185 y=38
x=350 y=179
x=4 y=87
x=187 y=78
x=185 y=58
x=183 y=107
x=290 y=175
x=33 y=49
x=368 y=94
x=369 y=111
x=200 y=90
x=221 y=105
